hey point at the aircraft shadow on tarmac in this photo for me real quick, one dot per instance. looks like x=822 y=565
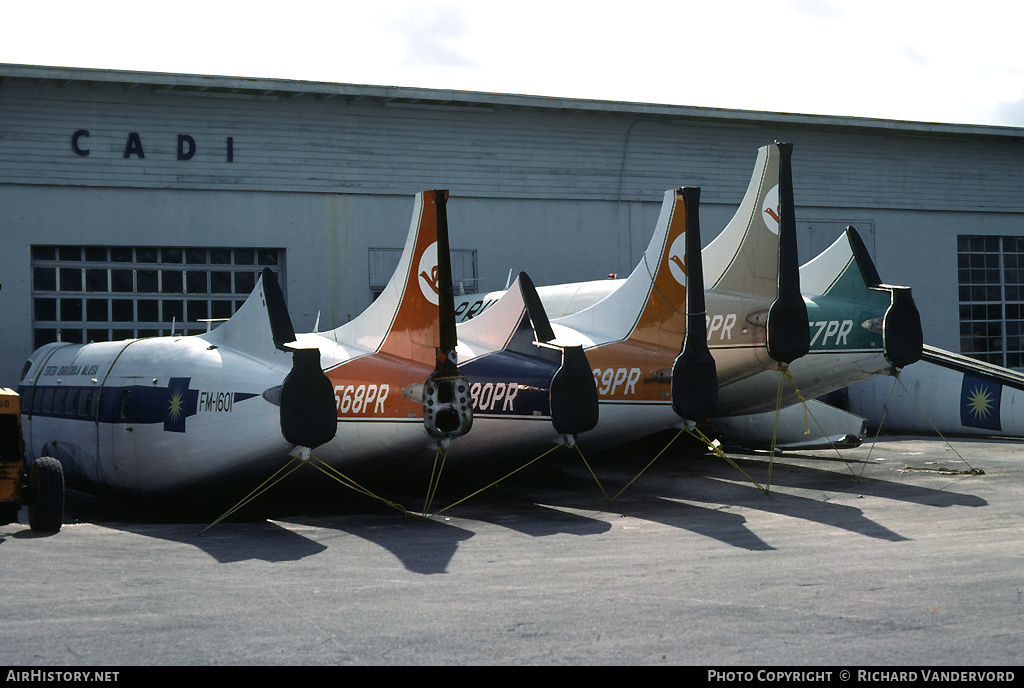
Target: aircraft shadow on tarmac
x=427 y=545
x=685 y=489
x=423 y=546
x=235 y=542
x=674 y=492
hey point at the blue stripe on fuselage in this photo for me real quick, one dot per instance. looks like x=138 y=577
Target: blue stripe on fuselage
x=510 y=384
x=170 y=405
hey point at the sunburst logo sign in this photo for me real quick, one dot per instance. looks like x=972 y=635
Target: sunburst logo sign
x=979 y=403
x=178 y=404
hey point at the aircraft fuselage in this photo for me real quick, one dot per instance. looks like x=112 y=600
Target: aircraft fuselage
x=149 y=415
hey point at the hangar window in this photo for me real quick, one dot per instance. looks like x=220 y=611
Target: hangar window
x=106 y=293
x=991 y=280
x=383 y=262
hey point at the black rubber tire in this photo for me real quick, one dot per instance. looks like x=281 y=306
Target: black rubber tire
x=46 y=484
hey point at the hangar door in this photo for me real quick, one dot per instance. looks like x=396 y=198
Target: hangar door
x=109 y=293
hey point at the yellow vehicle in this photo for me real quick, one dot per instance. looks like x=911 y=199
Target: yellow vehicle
x=41 y=487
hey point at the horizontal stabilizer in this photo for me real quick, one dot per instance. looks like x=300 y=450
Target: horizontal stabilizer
x=574 y=400
x=902 y=335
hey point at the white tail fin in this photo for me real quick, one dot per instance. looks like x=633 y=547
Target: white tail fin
x=261 y=326
x=495 y=328
x=744 y=258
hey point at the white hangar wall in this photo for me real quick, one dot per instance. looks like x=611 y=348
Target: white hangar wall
x=565 y=190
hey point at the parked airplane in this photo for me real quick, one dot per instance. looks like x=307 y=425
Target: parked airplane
x=856 y=326
x=756 y=318
x=646 y=343
x=166 y=415
x=146 y=416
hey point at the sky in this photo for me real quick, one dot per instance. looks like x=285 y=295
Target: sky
x=936 y=61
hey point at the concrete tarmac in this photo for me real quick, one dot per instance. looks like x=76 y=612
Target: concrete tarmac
x=916 y=563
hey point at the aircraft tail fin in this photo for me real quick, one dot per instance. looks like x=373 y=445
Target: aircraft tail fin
x=860 y=253
x=650 y=305
x=755 y=255
x=262 y=328
x=842 y=270
x=845 y=270
x=404 y=319
x=659 y=307
x=743 y=258
x=512 y=323
x=261 y=325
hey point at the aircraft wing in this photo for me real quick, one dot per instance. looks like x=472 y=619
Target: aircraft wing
x=794 y=428
x=954 y=393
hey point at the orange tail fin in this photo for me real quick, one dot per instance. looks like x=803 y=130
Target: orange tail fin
x=404 y=320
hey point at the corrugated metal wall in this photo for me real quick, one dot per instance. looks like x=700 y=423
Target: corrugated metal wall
x=332 y=145
x=566 y=192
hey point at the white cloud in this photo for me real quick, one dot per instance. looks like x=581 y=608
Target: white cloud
x=875 y=58
x=432 y=38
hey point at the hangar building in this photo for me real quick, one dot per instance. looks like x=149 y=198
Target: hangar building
x=139 y=204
